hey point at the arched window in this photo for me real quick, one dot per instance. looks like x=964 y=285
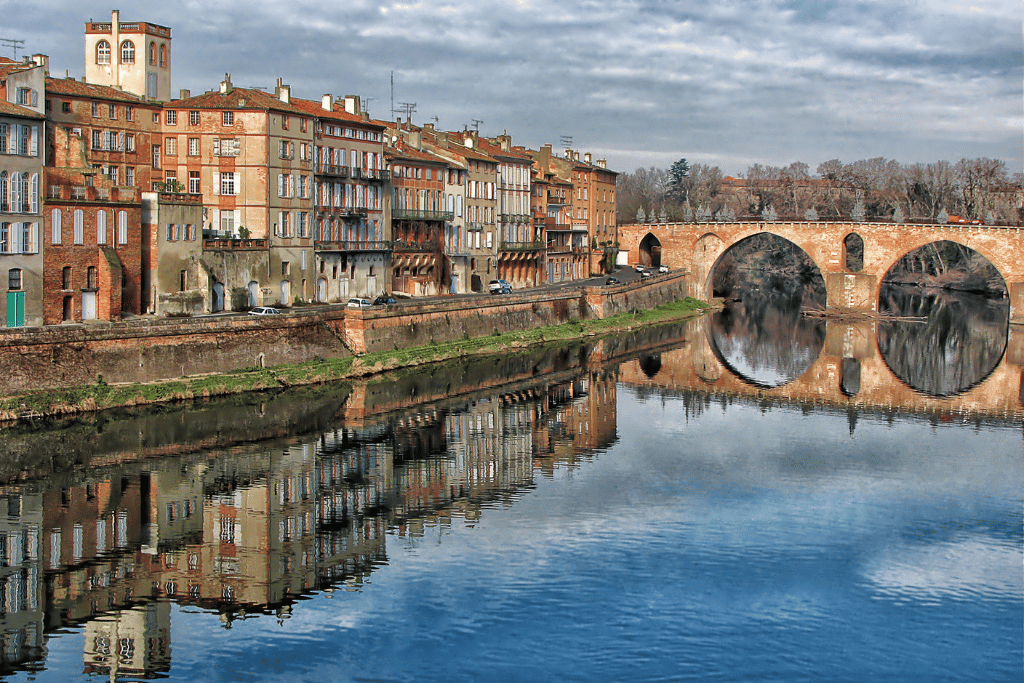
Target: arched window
x=122 y=227
x=103 y=52
x=55 y=226
x=101 y=227
x=79 y=226
x=4 y=204
x=127 y=52
x=163 y=55
x=14 y=279
x=152 y=53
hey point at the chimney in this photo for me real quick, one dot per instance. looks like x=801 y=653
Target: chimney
x=43 y=61
x=326 y=102
x=505 y=141
x=283 y=92
x=586 y=157
x=352 y=104
x=225 y=85
x=184 y=94
x=603 y=163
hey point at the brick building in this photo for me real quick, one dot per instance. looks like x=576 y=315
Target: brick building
x=250 y=155
x=521 y=247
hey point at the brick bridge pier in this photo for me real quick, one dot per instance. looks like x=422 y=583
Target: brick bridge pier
x=698 y=247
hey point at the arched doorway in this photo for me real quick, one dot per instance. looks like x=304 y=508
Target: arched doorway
x=218 y=297
x=650 y=251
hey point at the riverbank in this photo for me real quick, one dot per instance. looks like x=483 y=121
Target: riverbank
x=101 y=396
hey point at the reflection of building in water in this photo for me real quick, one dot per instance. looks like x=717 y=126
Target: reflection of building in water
x=247 y=530
x=578 y=418
x=21 y=585
x=129 y=642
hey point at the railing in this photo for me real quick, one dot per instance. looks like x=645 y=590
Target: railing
x=522 y=246
x=234 y=245
x=417 y=214
x=331 y=169
x=352 y=245
x=556 y=199
x=399 y=245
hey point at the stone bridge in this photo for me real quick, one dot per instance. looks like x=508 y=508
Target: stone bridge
x=849 y=372
x=698 y=247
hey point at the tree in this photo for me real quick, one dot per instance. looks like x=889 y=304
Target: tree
x=677 y=189
x=641 y=216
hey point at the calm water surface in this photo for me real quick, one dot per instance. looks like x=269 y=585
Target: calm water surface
x=591 y=521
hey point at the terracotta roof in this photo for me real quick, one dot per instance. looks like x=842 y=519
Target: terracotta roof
x=8 y=109
x=410 y=154
x=73 y=88
x=9 y=66
x=336 y=113
x=238 y=98
x=494 y=149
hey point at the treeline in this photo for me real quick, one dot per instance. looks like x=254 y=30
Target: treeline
x=872 y=189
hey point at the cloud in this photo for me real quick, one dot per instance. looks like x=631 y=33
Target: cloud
x=731 y=83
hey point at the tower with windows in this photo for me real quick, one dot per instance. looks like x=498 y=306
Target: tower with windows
x=133 y=56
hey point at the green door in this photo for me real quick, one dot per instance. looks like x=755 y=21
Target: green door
x=15 y=309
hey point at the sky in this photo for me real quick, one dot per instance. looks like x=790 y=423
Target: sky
x=640 y=83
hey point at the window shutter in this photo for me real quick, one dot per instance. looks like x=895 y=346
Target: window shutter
x=280 y=184
x=16 y=238
x=236 y=146
x=34 y=141
x=216 y=182
x=120 y=141
x=35 y=193
x=34 y=238
x=291 y=185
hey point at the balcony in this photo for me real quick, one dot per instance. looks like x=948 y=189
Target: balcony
x=332 y=170
x=234 y=245
x=422 y=247
x=522 y=246
x=557 y=199
x=352 y=245
x=420 y=215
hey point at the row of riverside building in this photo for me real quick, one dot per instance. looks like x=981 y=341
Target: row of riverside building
x=117 y=199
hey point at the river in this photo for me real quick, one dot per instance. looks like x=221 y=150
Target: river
x=691 y=502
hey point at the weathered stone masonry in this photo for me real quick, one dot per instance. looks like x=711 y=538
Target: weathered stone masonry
x=152 y=350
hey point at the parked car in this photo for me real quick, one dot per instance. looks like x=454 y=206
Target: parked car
x=612 y=281
x=639 y=268
x=264 y=310
x=358 y=303
x=499 y=287
x=644 y=274
x=383 y=300
x=662 y=269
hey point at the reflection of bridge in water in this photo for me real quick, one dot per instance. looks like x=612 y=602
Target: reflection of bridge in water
x=849 y=372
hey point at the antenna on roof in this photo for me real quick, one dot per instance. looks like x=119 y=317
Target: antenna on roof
x=566 y=141
x=365 y=101
x=408 y=108
x=435 y=120
x=14 y=44
x=476 y=124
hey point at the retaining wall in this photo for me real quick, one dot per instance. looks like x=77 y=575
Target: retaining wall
x=146 y=350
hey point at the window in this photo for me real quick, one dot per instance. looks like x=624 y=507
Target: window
x=129 y=142
x=226 y=147
x=284 y=122
x=172 y=117
x=227 y=118
x=156 y=156
x=163 y=55
x=129 y=113
x=79 y=223
x=303 y=229
x=170 y=232
x=171 y=146
x=285 y=227
x=194 y=184
x=152 y=53
x=122 y=227
x=193 y=118
x=151 y=89
x=14 y=278
x=101 y=227
x=103 y=52
x=112 y=111
x=65 y=107
x=55 y=226
x=129 y=176
x=193 y=147
x=227 y=222
x=227 y=183
x=90 y=277
x=5 y=238
x=183 y=283
x=65 y=278
x=95 y=110
x=127 y=52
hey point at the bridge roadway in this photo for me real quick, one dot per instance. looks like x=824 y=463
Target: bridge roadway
x=698 y=247
x=868 y=382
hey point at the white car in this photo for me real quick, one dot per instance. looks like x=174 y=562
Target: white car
x=264 y=310
x=358 y=303
x=662 y=269
x=639 y=268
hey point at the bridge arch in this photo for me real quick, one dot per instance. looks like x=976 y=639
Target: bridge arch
x=650 y=251
x=726 y=249
x=911 y=246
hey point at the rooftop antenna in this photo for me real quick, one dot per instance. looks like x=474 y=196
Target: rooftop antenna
x=408 y=108
x=435 y=120
x=476 y=124
x=364 y=102
x=566 y=141
x=392 y=93
x=14 y=44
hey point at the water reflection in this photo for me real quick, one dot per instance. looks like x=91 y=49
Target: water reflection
x=954 y=342
x=762 y=337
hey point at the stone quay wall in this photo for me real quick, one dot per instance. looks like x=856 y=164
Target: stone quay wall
x=147 y=350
